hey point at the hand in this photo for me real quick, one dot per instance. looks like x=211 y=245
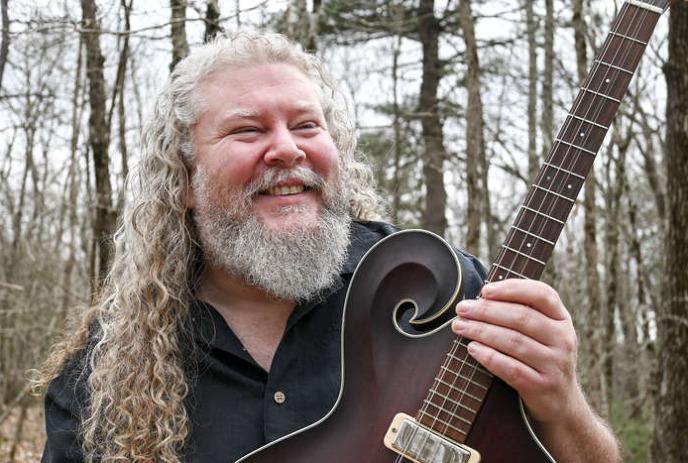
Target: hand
x=521 y=332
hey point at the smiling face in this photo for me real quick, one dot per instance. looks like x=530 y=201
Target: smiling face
x=267 y=196
x=264 y=146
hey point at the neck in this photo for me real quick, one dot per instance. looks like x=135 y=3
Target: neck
x=256 y=318
x=221 y=289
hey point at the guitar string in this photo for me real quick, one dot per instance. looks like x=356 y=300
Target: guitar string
x=528 y=253
x=620 y=21
x=553 y=205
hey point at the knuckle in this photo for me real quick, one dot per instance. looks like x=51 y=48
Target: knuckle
x=513 y=375
x=571 y=343
x=552 y=298
x=516 y=344
x=522 y=319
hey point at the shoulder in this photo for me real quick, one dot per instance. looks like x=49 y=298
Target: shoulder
x=364 y=234
x=66 y=401
x=69 y=390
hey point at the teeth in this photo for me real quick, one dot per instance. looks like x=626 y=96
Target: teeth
x=285 y=190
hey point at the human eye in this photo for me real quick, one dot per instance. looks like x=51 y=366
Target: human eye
x=241 y=132
x=308 y=125
x=245 y=130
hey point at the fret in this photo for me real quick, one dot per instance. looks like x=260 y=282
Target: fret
x=618 y=68
x=524 y=255
x=628 y=38
x=615 y=100
x=542 y=213
x=442 y=409
x=646 y=6
x=457 y=342
x=458 y=375
x=551 y=243
x=535 y=185
x=572 y=145
x=463 y=393
x=455 y=402
x=478 y=367
x=436 y=419
x=589 y=121
x=511 y=271
x=573 y=174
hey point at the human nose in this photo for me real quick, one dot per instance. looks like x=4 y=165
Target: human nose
x=283 y=150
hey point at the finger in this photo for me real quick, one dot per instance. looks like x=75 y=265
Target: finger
x=518 y=317
x=533 y=293
x=508 y=342
x=516 y=374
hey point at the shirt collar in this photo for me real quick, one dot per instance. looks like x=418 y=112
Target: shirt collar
x=211 y=329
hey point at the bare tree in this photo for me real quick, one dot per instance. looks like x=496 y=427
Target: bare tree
x=5 y=45
x=99 y=139
x=212 y=21
x=434 y=217
x=547 y=118
x=669 y=444
x=180 y=47
x=531 y=27
x=474 y=131
x=591 y=335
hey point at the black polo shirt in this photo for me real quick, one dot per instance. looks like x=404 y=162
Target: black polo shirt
x=235 y=406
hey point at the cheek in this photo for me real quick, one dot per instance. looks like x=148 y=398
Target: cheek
x=326 y=160
x=235 y=170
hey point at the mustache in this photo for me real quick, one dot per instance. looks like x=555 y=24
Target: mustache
x=276 y=175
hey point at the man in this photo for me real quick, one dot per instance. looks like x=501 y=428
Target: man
x=218 y=327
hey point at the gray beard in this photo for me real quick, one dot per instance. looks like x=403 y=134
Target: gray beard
x=289 y=265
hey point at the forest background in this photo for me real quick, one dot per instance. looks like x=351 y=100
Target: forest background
x=457 y=103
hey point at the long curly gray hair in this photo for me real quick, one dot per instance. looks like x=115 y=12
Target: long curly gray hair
x=133 y=337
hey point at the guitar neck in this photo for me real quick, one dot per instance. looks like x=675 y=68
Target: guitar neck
x=541 y=218
x=461 y=385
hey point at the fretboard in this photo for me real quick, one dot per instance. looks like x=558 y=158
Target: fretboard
x=461 y=385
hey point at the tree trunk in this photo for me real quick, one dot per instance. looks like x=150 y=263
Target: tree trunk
x=212 y=21
x=533 y=164
x=474 y=130
x=592 y=334
x=669 y=444
x=118 y=98
x=99 y=139
x=433 y=218
x=551 y=274
x=5 y=45
x=642 y=319
x=73 y=190
x=180 y=47
x=313 y=27
x=612 y=230
x=396 y=125
x=547 y=119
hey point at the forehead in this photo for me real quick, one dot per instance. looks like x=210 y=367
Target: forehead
x=244 y=86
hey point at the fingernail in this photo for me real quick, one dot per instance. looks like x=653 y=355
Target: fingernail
x=487 y=289
x=472 y=348
x=460 y=324
x=465 y=306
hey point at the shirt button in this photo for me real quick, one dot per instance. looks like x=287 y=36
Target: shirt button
x=279 y=397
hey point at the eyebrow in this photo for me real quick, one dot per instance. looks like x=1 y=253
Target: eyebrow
x=240 y=113
x=247 y=113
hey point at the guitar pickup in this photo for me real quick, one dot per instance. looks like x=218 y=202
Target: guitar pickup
x=419 y=444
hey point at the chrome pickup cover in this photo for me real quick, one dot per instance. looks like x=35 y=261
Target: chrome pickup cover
x=419 y=444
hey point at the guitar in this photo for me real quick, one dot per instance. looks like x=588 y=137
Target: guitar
x=401 y=298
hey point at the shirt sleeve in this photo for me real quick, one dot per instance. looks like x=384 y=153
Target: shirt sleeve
x=64 y=402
